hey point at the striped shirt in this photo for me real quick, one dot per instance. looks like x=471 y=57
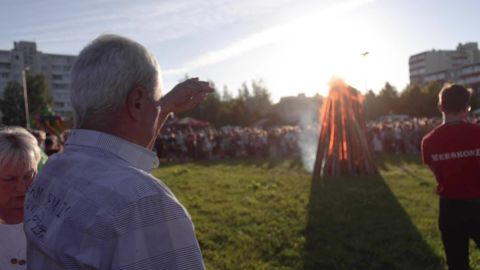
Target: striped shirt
x=96 y=206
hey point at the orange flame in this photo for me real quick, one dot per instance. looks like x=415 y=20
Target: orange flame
x=342 y=143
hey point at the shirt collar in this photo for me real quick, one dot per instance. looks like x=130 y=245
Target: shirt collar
x=138 y=156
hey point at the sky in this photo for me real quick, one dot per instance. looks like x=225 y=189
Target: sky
x=293 y=46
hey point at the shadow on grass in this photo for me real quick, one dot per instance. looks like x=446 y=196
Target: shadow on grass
x=357 y=223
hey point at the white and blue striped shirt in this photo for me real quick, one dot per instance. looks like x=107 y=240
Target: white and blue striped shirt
x=96 y=206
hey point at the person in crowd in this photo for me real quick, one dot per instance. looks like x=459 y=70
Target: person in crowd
x=41 y=136
x=96 y=204
x=52 y=145
x=171 y=147
x=452 y=151
x=19 y=155
x=377 y=142
x=64 y=136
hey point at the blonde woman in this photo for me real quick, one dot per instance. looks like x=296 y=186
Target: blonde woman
x=19 y=155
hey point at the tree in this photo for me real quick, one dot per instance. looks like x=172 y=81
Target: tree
x=373 y=107
x=253 y=103
x=13 y=105
x=261 y=96
x=431 y=92
x=412 y=101
x=38 y=94
x=244 y=92
x=208 y=110
x=226 y=95
x=388 y=97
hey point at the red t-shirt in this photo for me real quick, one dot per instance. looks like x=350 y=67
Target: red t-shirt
x=452 y=151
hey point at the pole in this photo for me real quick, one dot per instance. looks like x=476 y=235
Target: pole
x=25 y=98
x=365 y=54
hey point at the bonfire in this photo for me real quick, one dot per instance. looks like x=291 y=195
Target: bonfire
x=343 y=148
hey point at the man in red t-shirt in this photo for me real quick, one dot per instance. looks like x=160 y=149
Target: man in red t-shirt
x=452 y=151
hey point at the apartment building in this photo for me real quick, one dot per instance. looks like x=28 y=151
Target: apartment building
x=459 y=66
x=55 y=68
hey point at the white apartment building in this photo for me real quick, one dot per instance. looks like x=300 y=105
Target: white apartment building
x=459 y=66
x=55 y=68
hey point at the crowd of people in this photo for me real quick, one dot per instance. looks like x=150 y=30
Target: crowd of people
x=183 y=144
x=206 y=143
x=187 y=144
x=401 y=136
x=228 y=142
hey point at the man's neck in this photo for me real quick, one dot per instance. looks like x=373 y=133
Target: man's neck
x=117 y=129
x=449 y=118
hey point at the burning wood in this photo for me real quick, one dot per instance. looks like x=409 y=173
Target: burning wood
x=343 y=148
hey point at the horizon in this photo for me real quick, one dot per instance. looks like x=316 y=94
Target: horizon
x=292 y=47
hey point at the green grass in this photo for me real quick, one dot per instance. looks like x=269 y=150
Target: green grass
x=264 y=214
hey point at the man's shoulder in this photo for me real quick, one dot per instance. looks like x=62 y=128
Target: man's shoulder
x=431 y=134
x=474 y=127
x=104 y=184
x=124 y=186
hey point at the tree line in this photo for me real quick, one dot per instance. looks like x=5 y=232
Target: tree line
x=251 y=105
x=415 y=100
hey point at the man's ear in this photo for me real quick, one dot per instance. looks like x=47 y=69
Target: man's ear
x=136 y=102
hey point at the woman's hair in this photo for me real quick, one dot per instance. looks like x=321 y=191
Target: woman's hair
x=454 y=98
x=18 y=148
x=105 y=72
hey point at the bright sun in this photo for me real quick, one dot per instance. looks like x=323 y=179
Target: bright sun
x=314 y=51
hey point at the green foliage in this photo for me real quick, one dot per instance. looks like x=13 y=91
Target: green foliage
x=415 y=100
x=12 y=104
x=388 y=97
x=38 y=93
x=253 y=103
x=412 y=101
x=264 y=214
x=294 y=110
x=373 y=107
x=250 y=105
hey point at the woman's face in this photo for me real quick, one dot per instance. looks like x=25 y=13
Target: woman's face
x=14 y=182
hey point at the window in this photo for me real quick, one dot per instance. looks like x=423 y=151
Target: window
x=5 y=65
x=59 y=104
x=57 y=77
x=4 y=75
x=59 y=86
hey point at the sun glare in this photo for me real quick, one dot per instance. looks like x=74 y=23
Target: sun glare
x=317 y=50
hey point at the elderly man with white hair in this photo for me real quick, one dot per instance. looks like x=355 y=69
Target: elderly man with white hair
x=96 y=205
x=19 y=154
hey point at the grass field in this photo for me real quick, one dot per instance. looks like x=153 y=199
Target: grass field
x=265 y=214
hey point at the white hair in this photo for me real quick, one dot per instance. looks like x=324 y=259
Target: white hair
x=18 y=148
x=105 y=72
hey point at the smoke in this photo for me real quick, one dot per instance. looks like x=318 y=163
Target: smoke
x=308 y=139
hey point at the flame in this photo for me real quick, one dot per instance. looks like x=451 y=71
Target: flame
x=342 y=143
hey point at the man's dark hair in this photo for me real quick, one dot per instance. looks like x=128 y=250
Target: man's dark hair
x=454 y=98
